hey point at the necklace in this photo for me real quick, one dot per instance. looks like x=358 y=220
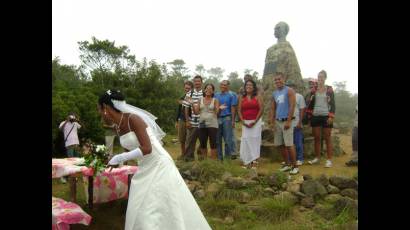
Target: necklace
x=118 y=126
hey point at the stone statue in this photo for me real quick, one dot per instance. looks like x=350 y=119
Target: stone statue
x=280 y=58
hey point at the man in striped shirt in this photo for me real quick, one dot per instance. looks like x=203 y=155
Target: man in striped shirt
x=192 y=120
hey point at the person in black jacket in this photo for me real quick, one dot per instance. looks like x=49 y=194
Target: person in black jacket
x=321 y=108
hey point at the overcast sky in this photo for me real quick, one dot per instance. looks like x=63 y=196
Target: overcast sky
x=231 y=34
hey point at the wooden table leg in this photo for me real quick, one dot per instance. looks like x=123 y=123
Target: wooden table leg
x=90 y=192
x=73 y=188
x=129 y=182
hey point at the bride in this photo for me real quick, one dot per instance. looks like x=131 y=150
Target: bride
x=158 y=196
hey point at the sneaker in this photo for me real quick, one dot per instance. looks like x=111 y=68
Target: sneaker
x=285 y=168
x=314 y=161
x=283 y=163
x=328 y=164
x=63 y=180
x=299 y=163
x=351 y=163
x=294 y=171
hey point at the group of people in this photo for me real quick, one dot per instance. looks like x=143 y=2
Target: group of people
x=208 y=115
x=204 y=114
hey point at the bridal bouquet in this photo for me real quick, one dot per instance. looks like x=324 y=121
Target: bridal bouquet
x=96 y=157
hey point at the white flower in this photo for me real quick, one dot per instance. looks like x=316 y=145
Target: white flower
x=100 y=148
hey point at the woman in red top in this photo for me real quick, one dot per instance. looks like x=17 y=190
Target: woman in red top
x=250 y=109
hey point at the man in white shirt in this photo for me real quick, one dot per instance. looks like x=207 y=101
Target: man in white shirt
x=297 y=124
x=70 y=127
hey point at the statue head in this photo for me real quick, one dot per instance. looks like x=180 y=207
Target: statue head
x=281 y=30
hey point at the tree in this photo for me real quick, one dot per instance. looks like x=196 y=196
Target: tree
x=216 y=73
x=247 y=71
x=178 y=67
x=200 y=69
x=102 y=55
x=235 y=81
x=345 y=103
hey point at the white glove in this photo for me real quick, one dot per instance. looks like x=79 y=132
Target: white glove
x=119 y=158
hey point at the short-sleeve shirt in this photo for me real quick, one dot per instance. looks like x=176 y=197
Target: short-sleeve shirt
x=196 y=97
x=72 y=138
x=300 y=104
x=227 y=98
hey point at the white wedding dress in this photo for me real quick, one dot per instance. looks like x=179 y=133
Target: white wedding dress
x=158 y=197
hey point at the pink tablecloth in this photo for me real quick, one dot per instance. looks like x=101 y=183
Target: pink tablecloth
x=108 y=185
x=65 y=213
x=66 y=166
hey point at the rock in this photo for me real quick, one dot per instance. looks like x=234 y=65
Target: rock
x=346 y=203
x=324 y=212
x=343 y=182
x=293 y=187
x=269 y=191
x=299 y=195
x=298 y=179
x=249 y=183
x=244 y=197
x=349 y=192
x=277 y=179
x=332 y=198
x=284 y=186
x=286 y=196
x=307 y=177
x=252 y=175
x=236 y=182
x=302 y=209
x=332 y=189
x=226 y=175
x=268 y=134
x=212 y=188
x=196 y=170
x=191 y=187
x=268 y=150
x=228 y=220
x=323 y=180
x=186 y=174
x=199 y=193
x=313 y=188
x=307 y=202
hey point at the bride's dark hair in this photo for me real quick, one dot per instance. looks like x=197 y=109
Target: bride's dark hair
x=109 y=95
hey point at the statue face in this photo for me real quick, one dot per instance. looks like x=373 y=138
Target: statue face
x=277 y=31
x=281 y=30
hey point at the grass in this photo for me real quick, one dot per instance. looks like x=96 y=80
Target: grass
x=261 y=212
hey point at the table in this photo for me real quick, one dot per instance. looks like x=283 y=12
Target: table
x=66 y=213
x=108 y=185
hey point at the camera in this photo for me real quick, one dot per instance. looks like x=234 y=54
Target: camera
x=72 y=118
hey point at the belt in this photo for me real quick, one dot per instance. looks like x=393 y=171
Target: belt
x=225 y=116
x=284 y=119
